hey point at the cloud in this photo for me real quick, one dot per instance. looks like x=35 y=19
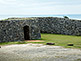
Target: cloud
x=7 y=1
x=37 y=3
x=40 y=6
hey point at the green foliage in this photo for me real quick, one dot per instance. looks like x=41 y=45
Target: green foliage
x=66 y=17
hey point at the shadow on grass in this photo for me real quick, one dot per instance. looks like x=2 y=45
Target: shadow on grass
x=38 y=39
x=21 y=42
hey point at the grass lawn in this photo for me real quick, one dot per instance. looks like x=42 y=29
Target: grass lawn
x=62 y=40
x=59 y=40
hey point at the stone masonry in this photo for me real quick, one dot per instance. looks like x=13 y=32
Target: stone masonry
x=11 y=29
x=60 y=25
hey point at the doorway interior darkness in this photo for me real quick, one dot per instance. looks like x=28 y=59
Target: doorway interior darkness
x=26 y=33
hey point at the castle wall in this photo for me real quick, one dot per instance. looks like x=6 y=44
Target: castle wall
x=13 y=30
x=59 y=25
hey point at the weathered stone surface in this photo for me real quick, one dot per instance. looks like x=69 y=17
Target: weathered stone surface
x=70 y=44
x=12 y=28
x=50 y=43
x=59 y=25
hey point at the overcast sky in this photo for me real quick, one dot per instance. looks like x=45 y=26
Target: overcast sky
x=39 y=7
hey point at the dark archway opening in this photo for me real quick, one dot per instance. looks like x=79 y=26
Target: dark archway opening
x=26 y=33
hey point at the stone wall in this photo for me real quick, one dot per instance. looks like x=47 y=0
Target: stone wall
x=12 y=30
x=59 y=25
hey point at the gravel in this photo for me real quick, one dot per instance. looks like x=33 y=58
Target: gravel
x=38 y=52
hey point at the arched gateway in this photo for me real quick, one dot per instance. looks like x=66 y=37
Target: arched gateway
x=26 y=32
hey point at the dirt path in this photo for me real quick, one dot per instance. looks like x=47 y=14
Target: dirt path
x=34 y=41
x=38 y=52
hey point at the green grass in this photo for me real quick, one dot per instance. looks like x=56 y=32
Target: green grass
x=8 y=43
x=59 y=40
x=20 y=42
x=62 y=40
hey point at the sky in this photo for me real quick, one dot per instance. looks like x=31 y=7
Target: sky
x=39 y=7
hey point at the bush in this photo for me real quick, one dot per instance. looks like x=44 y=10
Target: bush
x=66 y=17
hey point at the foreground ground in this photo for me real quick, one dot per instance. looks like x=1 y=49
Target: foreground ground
x=38 y=52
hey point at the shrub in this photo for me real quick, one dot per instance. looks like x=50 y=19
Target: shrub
x=66 y=17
